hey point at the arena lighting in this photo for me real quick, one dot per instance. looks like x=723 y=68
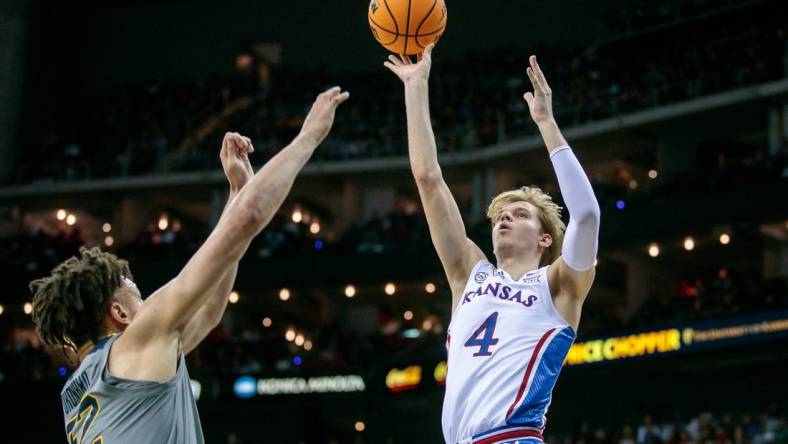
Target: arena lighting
x=440 y=372
x=109 y=240
x=267 y=322
x=408 y=315
x=163 y=222
x=350 y=291
x=284 y=294
x=61 y=214
x=307 y=345
x=429 y=288
x=360 y=426
x=652 y=174
x=297 y=361
x=315 y=384
x=290 y=335
x=427 y=324
x=633 y=184
x=28 y=308
x=299 y=340
x=62 y=371
x=390 y=288
x=71 y=219
x=234 y=296
x=314 y=228
x=402 y=380
x=244 y=387
x=624 y=347
x=689 y=243
x=681 y=338
x=297 y=216
x=620 y=204
x=176 y=225
x=107 y=227
x=411 y=333
x=244 y=60
x=725 y=238
x=653 y=249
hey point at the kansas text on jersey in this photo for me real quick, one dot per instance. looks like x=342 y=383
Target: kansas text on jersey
x=507 y=344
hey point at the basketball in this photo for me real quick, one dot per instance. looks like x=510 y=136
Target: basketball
x=407 y=26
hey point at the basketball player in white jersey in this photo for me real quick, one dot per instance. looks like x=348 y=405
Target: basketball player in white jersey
x=512 y=322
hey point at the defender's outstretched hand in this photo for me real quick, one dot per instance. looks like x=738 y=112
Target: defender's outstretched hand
x=540 y=102
x=408 y=71
x=235 y=159
x=320 y=119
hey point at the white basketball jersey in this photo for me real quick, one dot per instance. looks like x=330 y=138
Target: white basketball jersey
x=507 y=344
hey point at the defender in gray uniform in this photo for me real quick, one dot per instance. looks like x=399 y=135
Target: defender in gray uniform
x=132 y=385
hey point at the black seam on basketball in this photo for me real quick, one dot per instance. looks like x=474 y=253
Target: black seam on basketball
x=382 y=28
x=403 y=35
x=375 y=34
x=393 y=19
x=407 y=29
x=425 y=34
x=429 y=13
x=429 y=33
x=440 y=28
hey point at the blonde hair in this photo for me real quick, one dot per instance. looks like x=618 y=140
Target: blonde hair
x=549 y=216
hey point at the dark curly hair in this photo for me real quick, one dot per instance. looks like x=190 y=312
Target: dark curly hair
x=69 y=305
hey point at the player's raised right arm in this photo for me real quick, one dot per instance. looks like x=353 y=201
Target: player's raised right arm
x=254 y=206
x=164 y=315
x=457 y=253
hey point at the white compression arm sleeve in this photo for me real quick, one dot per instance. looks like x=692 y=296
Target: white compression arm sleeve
x=581 y=239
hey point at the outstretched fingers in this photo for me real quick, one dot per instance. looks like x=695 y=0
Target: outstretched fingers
x=334 y=96
x=341 y=98
x=331 y=92
x=248 y=145
x=529 y=98
x=537 y=76
x=241 y=144
x=532 y=77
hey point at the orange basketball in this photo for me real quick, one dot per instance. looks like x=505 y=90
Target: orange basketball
x=407 y=26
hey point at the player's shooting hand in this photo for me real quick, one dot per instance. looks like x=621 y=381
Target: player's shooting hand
x=320 y=119
x=540 y=102
x=407 y=71
x=235 y=159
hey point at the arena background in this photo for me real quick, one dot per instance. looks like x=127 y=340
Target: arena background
x=111 y=116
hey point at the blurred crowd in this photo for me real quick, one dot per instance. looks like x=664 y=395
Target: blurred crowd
x=715 y=295
x=351 y=335
x=649 y=15
x=476 y=102
x=718 y=291
x=769 y=425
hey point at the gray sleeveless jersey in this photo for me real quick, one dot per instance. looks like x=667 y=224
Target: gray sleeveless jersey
x=100 y=408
